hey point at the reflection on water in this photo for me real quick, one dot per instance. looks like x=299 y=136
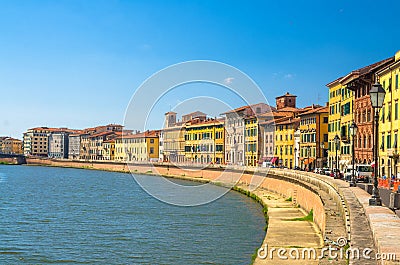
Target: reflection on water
x=73 y=216
x=3 y=177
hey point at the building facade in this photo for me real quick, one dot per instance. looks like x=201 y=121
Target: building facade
x=335 y=97
x=139 y=147
x=360 y=81
x=9 y=145
x=74 y=146
x=58 y=145
x=284 y=141
x=109 y=150
x=240 y=150
x=173 y=139
x=314 y=138
x=204 y=141
x=389 y=119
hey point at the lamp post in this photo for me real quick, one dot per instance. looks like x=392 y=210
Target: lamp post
x=377 y=95
x=322 y=147
x=337 y=140
x=353 y=132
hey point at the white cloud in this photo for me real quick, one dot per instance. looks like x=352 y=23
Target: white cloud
x=228 y=80
x=289 y=76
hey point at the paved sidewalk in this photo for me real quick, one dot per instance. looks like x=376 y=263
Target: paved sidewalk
x=284 y=233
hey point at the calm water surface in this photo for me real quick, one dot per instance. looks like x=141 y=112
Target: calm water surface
x=73 y=216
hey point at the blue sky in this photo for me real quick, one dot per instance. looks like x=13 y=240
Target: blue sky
x=77 y=63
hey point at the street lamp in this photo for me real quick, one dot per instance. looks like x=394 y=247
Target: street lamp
x=337 y=141
x=322 y=147
x=377 y=95
x=353 y=131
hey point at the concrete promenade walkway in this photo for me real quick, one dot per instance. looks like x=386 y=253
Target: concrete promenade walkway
x=285 y=233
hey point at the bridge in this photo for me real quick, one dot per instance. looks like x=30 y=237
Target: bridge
x=12 y=159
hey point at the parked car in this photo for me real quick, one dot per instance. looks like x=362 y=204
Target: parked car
x=325 y=171
x=363 y=172
x=335 y=173
x=348 y=173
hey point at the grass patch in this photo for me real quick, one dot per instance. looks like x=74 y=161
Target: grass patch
x=254 y=256
x=257 y=199
x=308 y=217
x=289 y=199
x=4 y=163
x=149 y=172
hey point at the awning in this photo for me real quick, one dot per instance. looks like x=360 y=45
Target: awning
x=268 y=158
x=308 y=161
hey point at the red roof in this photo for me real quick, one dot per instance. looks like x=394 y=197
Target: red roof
x=146 y=134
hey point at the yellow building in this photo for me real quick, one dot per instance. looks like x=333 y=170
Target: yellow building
x=314 y=137
x=109 y=150
x=252 y=141
x=137 y=147
x=335 y=97
x=10 y=145
x=341 y=116
x=204 y=141
x=284 y=141
x=389 y=119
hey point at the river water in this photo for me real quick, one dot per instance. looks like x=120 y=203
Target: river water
x=75 y=216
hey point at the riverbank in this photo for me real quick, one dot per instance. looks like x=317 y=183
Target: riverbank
x=273 y=194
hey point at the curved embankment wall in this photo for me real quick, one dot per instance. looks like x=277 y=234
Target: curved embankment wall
x=301 y=193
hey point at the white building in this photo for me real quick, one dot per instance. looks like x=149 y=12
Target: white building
x=58 y=145
x=74 y=146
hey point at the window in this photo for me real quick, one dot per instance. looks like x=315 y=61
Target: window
x=395 y=140
x=396 y=110
x=389 y=116
x=397 y=82
x=325 y=119
x=388 y=141
x=152 y=142
x=325 y=137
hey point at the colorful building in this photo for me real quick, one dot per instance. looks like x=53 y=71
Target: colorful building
x=284 y=141
x=389 y=119
x=360 y=81
x=334 y=121
x=139 y=147
x=204 y=141
x=314 y=137
x=9 y=145
x=109 y=150
x=238 y=149
x=173 y=139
